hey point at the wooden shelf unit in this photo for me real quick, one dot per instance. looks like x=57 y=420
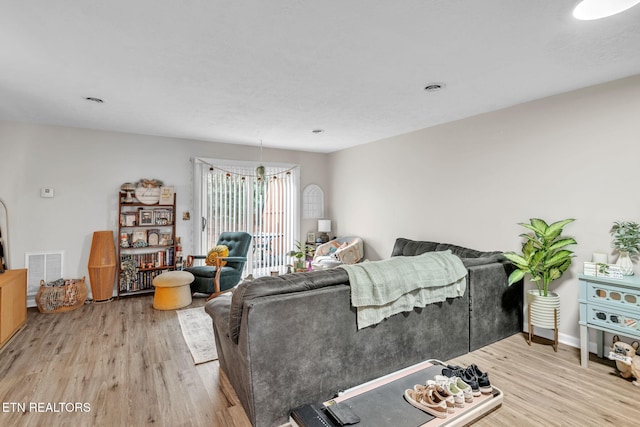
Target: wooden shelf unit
x=13 y=303
x=156 y=226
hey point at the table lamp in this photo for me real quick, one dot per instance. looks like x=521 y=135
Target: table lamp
x=324 y=227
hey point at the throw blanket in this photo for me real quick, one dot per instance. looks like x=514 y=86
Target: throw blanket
x=381 y=289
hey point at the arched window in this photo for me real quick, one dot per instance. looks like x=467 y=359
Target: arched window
x=312 y=202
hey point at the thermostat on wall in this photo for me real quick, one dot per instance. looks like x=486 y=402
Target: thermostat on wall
x=46 y=192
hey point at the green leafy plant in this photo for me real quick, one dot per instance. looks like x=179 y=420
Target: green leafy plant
x=626 y=237
x=302 y=251
x=545 y=256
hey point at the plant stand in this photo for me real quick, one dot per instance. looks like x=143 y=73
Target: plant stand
x=555 y=329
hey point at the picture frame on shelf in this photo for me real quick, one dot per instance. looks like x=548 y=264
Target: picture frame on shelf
x=139 y=238
x=311 y=237
x=166 y=195
x=162 y=217
x=146 y=217
x=165 y=239
x=130 y=219
x=153 y=237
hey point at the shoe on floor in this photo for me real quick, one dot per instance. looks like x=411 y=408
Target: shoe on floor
x=467 y=376
x=464 y=388
x=447 y=387
x=427 y=401
x=483 y=379
x=441 y=393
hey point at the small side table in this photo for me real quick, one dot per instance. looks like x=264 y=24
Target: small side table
x=607 y=305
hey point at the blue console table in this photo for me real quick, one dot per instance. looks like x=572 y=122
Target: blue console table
x=607 y=305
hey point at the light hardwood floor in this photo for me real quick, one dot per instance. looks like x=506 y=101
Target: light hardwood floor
x=129 y=365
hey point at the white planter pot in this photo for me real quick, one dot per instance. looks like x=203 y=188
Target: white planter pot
x=625 y=263
x=541 y=309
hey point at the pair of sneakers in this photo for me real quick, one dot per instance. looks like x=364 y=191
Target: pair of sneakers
x=427 y=399
x=472 y=375
x=455 y=388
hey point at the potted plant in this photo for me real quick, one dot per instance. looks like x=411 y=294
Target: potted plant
x=626 y=240
x=301 y=253
x=544 y=258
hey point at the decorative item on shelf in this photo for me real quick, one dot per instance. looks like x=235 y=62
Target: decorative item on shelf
x=145 y=217
x=166 y=195
x=124 y=240
x=626 y=240
x=128 y=188
x=602 y=269
x=544 y=258
x=153 y=237
x=102 y=265
x=324 y=227
x=148 y=191
x=311 y=238
x=162 y=217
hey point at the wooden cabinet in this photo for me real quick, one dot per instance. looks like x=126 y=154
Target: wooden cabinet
x=13 y=303
x=146 y=245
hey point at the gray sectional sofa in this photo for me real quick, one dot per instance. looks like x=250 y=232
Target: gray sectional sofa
x=288 y=340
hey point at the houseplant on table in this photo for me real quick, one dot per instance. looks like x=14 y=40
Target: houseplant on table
x=544 y=258
x=301 y=254
x=626 y=240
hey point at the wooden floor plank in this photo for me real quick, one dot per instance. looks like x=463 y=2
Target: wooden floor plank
x=130 y=364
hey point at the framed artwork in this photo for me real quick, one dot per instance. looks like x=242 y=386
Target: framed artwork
x=146 y=217
x=130 y=219
x=153 y=237
x=139 y=237
x=166 y=195
x=165 y=239
x=162 y=217
x=311 y=237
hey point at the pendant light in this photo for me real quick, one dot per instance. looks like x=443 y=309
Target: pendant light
x=260 y=169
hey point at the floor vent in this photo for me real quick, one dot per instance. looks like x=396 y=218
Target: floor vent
x=45 y=266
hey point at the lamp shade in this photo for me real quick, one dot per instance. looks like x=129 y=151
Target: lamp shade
x=324 y=225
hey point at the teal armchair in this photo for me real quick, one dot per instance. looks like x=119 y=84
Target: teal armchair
x=217 y=279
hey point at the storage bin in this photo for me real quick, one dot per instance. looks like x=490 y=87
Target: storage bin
x=61 y=295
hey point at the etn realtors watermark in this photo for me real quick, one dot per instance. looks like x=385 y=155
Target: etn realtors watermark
x=52 y=407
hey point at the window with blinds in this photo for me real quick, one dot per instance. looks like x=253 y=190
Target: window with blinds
x=237 y=199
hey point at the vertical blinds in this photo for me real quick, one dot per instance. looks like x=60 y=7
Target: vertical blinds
x=267 y=208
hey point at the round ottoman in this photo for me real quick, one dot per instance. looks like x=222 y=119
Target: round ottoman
x=172 y=290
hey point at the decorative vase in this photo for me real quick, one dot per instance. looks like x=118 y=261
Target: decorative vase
x=102 y=265
x=625 y=263
x=541 y=309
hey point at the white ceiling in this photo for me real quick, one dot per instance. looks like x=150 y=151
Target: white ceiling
x=241 y=71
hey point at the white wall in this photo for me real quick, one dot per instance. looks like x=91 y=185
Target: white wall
x=86 y=169
x=470 y=182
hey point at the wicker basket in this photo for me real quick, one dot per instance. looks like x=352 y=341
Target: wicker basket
x=68 y=295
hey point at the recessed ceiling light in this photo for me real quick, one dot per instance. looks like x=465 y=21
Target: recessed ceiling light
x=434 y=87
x=316 y=131
x=588 y=10
x=92 y=99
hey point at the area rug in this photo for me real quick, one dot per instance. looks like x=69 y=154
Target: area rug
x=198 y=334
